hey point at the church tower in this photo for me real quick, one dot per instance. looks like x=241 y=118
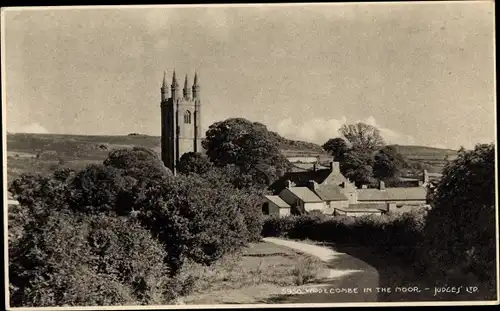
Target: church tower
x=180 y=120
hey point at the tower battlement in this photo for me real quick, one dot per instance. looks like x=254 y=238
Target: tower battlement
x=180 y=120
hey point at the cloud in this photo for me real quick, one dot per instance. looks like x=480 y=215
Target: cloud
x=390 y=136
x=34 y=128
x=320 y=130
x=316 y=130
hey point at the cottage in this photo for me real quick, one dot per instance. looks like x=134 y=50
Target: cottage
x=401 y=196
x=330 y=194
x=275 y=206
x=302 y=199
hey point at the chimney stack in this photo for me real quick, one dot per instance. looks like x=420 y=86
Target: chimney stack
x=335 y=167
x=312 y=185
x=381 y=185
x=425 y=177
x=288 y=184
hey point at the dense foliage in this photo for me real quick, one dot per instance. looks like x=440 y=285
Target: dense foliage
x=397 y=234
x=247 y=145
x=119 y=232
x=463 y=217
x=193 y=162
x=364 y=158
x=64 y=259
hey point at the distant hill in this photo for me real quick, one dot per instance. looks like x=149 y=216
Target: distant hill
x=38 y=153
x=432 y=158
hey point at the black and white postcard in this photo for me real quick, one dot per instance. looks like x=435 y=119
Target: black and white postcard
x=249 y=155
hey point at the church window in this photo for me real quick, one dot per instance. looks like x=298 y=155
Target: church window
x=187 y=117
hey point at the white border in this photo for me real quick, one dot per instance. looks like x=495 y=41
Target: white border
x=223 y=306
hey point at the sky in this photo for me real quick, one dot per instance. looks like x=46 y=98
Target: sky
x=423 y=73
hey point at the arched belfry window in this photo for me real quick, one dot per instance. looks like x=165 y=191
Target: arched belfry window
x=187 y=117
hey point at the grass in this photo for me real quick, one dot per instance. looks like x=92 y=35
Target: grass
x=259 y=272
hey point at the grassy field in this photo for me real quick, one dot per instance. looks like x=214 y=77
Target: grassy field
x=258 y=273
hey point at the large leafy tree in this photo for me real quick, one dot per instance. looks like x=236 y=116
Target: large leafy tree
x=193 y=162
x=192 y=217
x=385 y=166
x=461 y=224
x=357 y=166
x=363 y=136
x=247 y=145
x=337 y=147
x=138 y=162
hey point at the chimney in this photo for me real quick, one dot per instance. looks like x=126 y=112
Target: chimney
x=312 y=185
x=335 y=167
x=425 y=177
x=381 y=185
x=288 y=184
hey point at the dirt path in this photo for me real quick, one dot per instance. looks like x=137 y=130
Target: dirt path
x=349 y=277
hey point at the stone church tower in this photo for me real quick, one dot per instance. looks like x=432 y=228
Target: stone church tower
x=180 y=120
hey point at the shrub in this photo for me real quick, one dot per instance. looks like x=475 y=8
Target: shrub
x=460 y=229
x=305 y=271
x=139 y=163
x=193 y=162
x=68 y=259
x=192 y=219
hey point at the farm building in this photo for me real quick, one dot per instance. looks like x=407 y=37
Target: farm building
x=301 y=198
x=407 y=195
x=275 y=206
x=330 y=194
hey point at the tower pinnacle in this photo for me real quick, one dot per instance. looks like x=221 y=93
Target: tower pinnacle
x=185 y=91
x=164 y=85
x=174 y=80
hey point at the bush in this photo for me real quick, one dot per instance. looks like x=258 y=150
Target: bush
x=139 y=163
x=192 y=218
x=65 y=259
x=460 y=230
x=393 y=233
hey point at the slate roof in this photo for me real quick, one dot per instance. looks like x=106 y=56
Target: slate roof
x=304 y=194
x=302 y=167
x=330 y=193
x=277 y=200
x=392 y=194
x=360 y=210
x=300 y=178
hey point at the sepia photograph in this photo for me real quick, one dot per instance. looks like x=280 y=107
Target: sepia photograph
x=249 y=155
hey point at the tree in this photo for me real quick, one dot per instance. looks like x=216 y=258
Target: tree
x=139 y=163
x=247 y=145
x=363 y=136
x=102 y=189
x=461 y=225
x=192 y=218
x=193 y=162
x=337 y=147
x=384 y=166
x=357 y=166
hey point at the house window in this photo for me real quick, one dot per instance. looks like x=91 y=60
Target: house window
x=187 y=117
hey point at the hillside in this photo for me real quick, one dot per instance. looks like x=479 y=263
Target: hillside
x=433 y=158
x=40 y=153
